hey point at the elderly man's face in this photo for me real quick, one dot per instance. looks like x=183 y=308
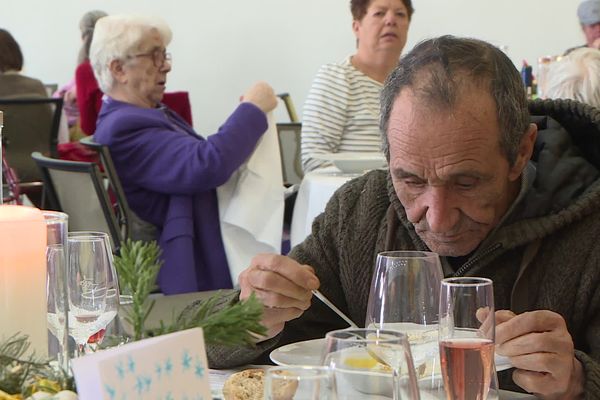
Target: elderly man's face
x=449 y=171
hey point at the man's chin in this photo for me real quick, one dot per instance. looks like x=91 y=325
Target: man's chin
x=449 y=249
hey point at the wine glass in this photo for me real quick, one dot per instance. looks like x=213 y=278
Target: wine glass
x=299 y=383
x=370 y=362
x=113 y=298
x=90 y=308
x=466 y=337
x=404 y=296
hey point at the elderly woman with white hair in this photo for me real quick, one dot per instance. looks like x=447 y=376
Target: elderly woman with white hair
x=575 y=76
x=170 y=173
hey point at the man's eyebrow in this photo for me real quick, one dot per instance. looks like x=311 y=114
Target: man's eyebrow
x=402 y=174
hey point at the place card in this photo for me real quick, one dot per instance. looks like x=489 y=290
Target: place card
x=167 y=367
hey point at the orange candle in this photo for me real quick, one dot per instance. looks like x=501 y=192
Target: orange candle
x=23 y=275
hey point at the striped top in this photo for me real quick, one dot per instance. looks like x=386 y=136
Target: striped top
x=341 y=114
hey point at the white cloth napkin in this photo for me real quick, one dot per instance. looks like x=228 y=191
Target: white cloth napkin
x=251 y=205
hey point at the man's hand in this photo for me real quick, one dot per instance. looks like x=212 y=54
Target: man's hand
x=283 y=285
x=541 y=349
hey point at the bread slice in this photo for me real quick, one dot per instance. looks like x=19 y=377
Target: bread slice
x=249 y=384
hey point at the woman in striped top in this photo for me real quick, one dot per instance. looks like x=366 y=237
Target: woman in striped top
x=341 y=113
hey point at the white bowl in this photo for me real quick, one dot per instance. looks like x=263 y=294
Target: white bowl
x=354 y=162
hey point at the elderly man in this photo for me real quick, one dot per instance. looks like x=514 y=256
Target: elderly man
x=588 y=13
x=473 y=178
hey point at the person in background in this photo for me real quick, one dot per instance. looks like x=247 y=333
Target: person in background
x=588 y=13
x=88 y=99
x=12 y=82
x=341 y=112
x=89 y=95
x=575 y=76
x=170 y=173
x=471 y=179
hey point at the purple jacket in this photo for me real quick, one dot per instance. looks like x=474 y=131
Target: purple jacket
x=170 y=175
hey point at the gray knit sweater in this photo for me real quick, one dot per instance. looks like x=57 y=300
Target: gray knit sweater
x=543 y=256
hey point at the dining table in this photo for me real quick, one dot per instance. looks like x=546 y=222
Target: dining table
x=167 y=307
x=315 y=190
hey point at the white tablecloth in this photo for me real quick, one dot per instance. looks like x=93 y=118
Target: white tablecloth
x=316 y=189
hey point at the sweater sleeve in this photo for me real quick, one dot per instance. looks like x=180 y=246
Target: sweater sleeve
x=324 y=115
x=89 y=97
x=150 y=153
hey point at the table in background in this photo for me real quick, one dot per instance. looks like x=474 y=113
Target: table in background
x=316 y=189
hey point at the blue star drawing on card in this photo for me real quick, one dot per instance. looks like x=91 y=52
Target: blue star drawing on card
x=130 y=364
x=168 y=367
x=139 y=385
x=147 y=383
x=158 y=369
x=186 y=360
x=199 y=370
x=120 y=370
x=110 y=391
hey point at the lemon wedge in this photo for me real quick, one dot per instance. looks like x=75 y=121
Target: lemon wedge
x=360 y=362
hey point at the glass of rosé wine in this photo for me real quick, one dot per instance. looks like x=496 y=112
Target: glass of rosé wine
x=466 y=338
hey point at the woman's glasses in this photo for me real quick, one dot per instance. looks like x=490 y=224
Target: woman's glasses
x=159 y=57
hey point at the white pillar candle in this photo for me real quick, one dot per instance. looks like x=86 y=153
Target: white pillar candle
x=23 y=275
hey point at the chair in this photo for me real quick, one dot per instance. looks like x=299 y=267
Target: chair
x=289 y=105
x=30 y=124
x=77 y=188
x=133 y=226
x=289 y=146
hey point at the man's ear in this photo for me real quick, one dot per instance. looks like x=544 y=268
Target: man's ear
x=525 y=151
x=118 y=71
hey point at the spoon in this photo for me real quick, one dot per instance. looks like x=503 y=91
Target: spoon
x=336 y=310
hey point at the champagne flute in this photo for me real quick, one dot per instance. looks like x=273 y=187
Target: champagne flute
x=404 y=296
x=113 y=293
x=299 y=383
x=369 y=363
x=466 y=337
x=88 y=287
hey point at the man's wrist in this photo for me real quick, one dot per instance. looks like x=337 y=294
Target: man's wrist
x=577 y=381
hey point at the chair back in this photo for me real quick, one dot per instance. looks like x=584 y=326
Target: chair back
x=289 y=145
x=30 y=124
x=132 y=226
x=289 y=106
x=77 y=188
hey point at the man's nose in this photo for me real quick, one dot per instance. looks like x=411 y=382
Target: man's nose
x=442 y=213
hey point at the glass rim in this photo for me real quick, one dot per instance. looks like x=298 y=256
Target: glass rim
x=394 y=334
x=416 y=254
x=316 y=368
x=54 y=216
x=467 y=281
x=87 y=234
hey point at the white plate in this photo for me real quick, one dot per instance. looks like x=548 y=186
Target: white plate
x=309 y=352
x=354 y=162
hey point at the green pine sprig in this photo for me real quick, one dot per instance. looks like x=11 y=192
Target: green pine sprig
x=20 y=369
x=234 y=324
x=137 y=267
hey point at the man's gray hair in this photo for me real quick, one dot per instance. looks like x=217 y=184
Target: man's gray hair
x=437 y=69
x=576 y=77
x=117 y=37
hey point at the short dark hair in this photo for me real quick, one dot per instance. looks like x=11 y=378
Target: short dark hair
x=438 y=68
x=359 y=8
x=11 y=57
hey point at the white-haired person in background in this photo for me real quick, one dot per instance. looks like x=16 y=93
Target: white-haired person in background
x=169 y=172
x=575 y=76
